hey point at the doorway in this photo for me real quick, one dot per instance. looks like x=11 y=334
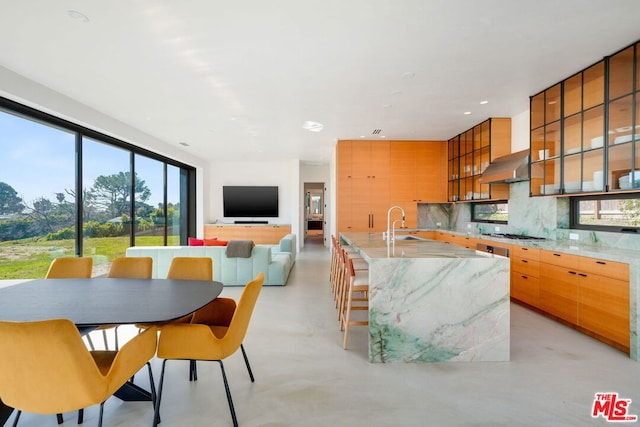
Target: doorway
x=314 y=212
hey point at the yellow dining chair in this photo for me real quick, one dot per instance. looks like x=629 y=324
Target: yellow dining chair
x=126 y=268
x=70 y=268
x=45 y=367
x=199 y=342
x=217 y=315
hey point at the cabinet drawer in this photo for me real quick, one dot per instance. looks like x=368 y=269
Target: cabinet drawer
x=612 y=269
x=560 y=259
x=525 y=252
x=525 y=288
x=525 y=266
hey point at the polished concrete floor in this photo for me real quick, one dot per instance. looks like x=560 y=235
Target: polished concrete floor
x=305 y=378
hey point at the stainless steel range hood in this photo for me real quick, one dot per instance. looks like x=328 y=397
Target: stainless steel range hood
x=513 y=167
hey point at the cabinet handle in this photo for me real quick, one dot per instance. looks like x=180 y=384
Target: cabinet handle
x=582 y=275
x=572 y=272
x=525 y=249
x=525 y=261
x=601 y=262
x=556 y=254
x=524 y=277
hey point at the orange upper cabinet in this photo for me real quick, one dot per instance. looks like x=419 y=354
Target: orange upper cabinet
x=475 y=149
x=585 y=130
x=362 y=185
x=417 y=175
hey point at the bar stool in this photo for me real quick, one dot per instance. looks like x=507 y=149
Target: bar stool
x=355 y=298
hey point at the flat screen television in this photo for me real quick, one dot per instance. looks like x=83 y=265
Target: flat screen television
x=250 y=201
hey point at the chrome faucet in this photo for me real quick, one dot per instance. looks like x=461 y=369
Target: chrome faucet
x=388 y=237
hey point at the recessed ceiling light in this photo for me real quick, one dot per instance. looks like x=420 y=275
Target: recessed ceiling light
x=361 y=136
x=466 y=113
x=484 y=102
x=382 y=136
x=78 y=16
x=312 y=126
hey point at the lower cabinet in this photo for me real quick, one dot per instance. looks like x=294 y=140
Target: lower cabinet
x=525 y=275
x=590 y=293
x=260 y=234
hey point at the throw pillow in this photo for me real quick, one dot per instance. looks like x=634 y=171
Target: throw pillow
x=195 y=242
x=215 y=242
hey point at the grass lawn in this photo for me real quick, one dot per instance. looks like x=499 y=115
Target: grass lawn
x=30 y=259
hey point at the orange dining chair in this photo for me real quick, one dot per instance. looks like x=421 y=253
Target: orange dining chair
x=126 y=268
x=199 y=342
x=45 y=368
x=70 y=268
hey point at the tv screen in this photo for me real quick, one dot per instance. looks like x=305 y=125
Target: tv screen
x=250 y=201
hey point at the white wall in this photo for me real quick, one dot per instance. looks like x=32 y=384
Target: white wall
x=283 y=174
x=520 y=132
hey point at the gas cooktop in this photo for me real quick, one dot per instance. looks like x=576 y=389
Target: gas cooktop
x=513 y=236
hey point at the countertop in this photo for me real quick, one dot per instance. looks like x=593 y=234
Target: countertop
x=371 y=246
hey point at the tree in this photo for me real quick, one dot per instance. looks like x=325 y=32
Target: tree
x=10 y=203
x=112 y=193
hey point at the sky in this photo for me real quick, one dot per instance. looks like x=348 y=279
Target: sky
x=38 y=161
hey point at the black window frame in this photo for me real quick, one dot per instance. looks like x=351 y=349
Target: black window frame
x=189 y=222
x=574 y=213
x=487 y=221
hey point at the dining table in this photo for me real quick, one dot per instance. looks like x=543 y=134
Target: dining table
x=93 y=302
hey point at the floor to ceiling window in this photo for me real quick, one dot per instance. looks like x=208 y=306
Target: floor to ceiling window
x=69 y=191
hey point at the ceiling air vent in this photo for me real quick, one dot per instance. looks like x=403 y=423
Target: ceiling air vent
x=377 y=131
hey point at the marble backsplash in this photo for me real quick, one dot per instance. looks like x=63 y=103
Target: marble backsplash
x=534 y=216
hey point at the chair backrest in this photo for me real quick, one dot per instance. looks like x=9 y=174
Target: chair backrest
x=241 y=317
x=70 y=268
x=131 y=268
x=46 y=368
x=191 y=268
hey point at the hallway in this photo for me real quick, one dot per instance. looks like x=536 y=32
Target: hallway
x=305 y=378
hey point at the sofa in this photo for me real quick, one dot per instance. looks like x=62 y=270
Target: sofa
x=276 y=261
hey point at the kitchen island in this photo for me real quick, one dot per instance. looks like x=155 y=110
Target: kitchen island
x=434 y=302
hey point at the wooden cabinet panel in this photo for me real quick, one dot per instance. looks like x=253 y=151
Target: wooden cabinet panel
x=525 y=288
x=560 y=259
x=260 y=234
x=525 y=252
x=431 y=172
x=362 y=185
x=603 y=307
x=529 y=267
x=606 y=268
x=559 y=292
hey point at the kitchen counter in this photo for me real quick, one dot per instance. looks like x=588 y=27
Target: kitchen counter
x=434 y=302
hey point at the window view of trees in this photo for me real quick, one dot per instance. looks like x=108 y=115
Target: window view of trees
x=609 y=212
x=39 y=208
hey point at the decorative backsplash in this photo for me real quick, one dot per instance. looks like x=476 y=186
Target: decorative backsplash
x=533 y=216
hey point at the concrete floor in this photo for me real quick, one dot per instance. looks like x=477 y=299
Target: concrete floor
x=305 y=378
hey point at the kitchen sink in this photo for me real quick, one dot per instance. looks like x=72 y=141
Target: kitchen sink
x=407 y=237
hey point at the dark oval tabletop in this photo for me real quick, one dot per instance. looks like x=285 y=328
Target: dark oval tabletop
x=104 y=301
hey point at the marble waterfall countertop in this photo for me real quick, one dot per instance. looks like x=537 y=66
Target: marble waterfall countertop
x=434 y=302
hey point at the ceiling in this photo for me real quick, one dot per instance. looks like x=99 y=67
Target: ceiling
x=237 y=80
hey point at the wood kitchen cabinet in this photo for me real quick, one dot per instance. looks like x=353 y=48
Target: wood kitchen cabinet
x=417 y=175
x=585 y=130
x=260 y=234
x=362 y=185
x=590 y=293
x=469 y=155
x=525 y=275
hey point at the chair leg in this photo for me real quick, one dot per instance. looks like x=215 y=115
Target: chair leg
x=246 y=362
x=104 y=339
x=80 y=416
x=152 y=385
x=60 y=419
x=228 y=391
x=156 y=412
x=91 y=346
x=18 y=413
x=101 y=412
x=193 y=371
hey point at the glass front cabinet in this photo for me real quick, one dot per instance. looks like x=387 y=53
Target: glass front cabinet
x=469 y=155
x=585 y=130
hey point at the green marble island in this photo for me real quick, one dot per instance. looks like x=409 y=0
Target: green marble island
x=430 y=301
